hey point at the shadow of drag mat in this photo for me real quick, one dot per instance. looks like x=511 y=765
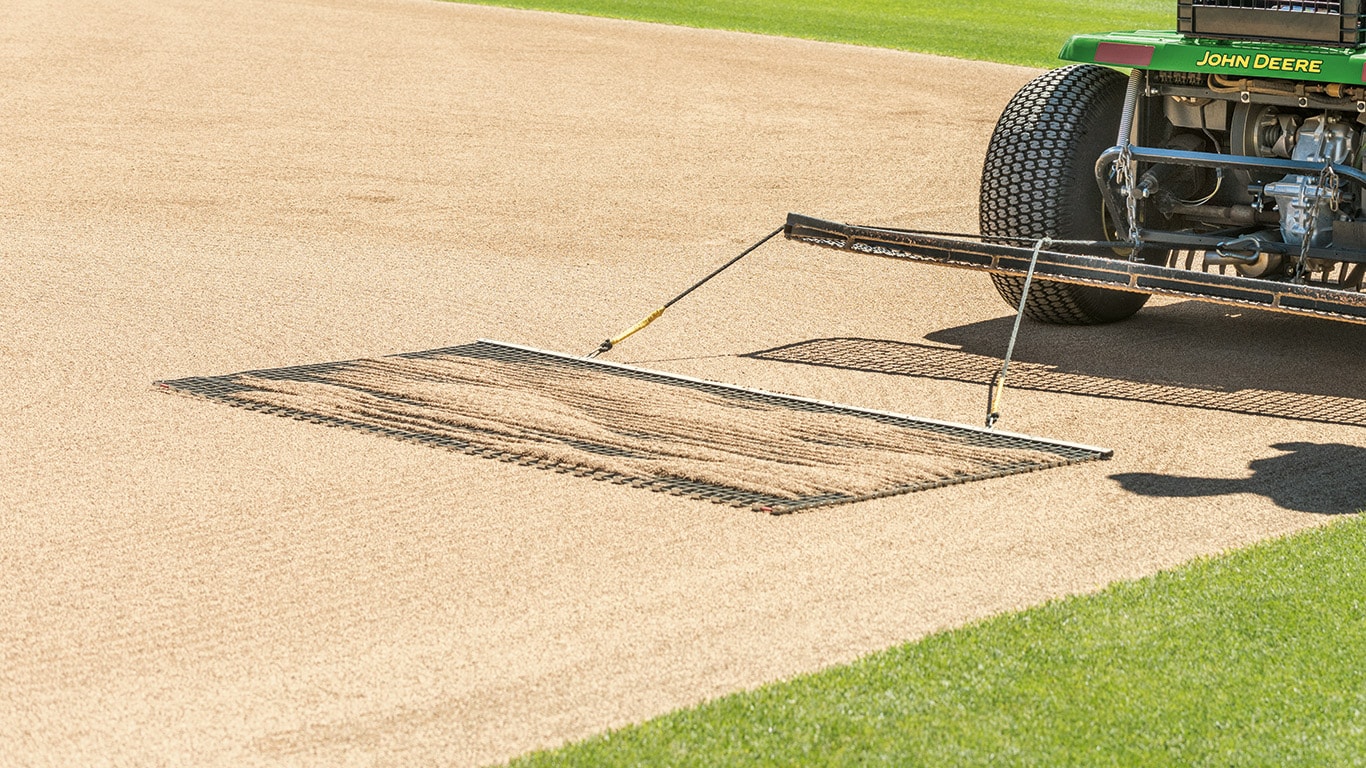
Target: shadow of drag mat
x=1188 y=354
x=1189 y=344
x=1327 y=479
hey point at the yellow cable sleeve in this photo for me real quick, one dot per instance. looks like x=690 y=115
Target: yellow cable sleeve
x=998 y=387
x=638 y=326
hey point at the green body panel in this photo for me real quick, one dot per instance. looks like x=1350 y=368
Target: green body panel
x=1175 y=52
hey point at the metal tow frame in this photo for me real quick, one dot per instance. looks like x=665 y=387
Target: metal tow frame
x=1115 y=273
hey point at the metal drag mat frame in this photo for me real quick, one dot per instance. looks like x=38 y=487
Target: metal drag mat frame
x=1316 y=300
x=228 y=388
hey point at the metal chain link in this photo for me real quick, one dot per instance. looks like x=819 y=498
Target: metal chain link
x=1330 y=184
x=1327 y=190
x=1125 y=178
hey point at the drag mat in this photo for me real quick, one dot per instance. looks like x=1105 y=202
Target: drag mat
x=627 y=425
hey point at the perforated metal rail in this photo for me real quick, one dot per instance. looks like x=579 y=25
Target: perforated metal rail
x=994 y=453
x=1315 y=300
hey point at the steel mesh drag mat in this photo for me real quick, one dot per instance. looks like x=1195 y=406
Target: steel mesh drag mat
x=674 y=434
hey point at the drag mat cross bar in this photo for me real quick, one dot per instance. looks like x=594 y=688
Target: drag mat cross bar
x=1315 y=300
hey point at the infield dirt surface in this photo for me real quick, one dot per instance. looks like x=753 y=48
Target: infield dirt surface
x=195 y=188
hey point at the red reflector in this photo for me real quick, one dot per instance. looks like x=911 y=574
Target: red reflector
x=1129 y=55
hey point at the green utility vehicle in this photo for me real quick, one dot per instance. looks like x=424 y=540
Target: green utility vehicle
x=1222 y=161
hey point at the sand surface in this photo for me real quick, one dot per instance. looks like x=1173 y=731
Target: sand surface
x=196 y=188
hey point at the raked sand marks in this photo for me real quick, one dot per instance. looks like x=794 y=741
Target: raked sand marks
x=630 y=425
x=199 y=187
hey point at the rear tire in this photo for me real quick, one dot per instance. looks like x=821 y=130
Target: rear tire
x=1039 y=181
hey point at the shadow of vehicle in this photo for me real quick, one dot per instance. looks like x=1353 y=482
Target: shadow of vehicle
x=1327 y=479
x=1186 y=354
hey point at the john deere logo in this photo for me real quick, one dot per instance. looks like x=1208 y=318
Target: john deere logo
x=1260 y=61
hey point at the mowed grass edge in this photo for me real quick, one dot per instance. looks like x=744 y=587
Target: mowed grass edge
x=1246 y=659
x=1028 y=32
x=1252 y=658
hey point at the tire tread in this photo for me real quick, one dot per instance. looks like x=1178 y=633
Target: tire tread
x=1034 y=179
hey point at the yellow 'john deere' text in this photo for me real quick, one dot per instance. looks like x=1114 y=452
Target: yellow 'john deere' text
x=1260 y=61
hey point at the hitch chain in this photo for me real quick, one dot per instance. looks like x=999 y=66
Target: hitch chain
x=1328 y=190
x=1330 y=186
x=1302 y=263
x=1124 y=176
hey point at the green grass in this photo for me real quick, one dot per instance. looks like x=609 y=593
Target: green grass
x=1250 y=659
x=1028 y=32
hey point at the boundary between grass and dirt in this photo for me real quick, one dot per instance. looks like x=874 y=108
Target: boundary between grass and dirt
x=1027 y=32
x=1252 y=658
x=1247 y=658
